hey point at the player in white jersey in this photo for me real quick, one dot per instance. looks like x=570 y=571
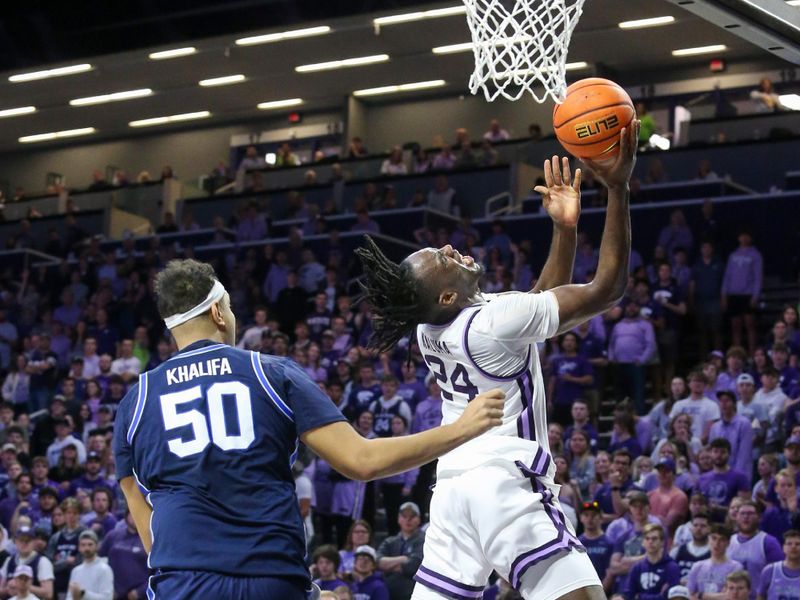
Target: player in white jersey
x=495 y=505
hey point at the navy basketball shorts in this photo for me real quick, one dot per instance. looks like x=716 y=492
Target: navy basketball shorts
x=199 y=585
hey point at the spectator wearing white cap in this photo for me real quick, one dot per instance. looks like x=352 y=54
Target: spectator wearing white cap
x=41 y=584
x=367 y=583
x=678 y=592
x=400 y=556
x=93 y=579
x=23 y=576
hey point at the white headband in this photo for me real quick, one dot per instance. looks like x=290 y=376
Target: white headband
x=215 y=295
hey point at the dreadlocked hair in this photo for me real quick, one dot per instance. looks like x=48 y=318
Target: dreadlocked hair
x=391 y=292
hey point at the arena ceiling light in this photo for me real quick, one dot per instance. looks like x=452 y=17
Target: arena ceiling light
x=341 y=64
x=453 y=48
x=790 y=101
x=56 y=135
x=280 y=103
x=403 y=87
x=113 y=97
x=642 y=23
x=226 y=80
x=15 y=112
x=284 y=35
x=202 y=114
x=419 y=15
x=174 y=53
x=700 y=50
x=793 y=3
x=48 y=73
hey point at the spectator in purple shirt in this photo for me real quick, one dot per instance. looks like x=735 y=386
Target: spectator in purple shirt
x=326 y=562
x=652 y=576
x=734 y=362
x=741 y=289
x=625 y=433
x=364 y=224
x=722 y=484
x=368 y=584
x=752 y=547
x=781 y=517
x=253 y=226
x=737 y=430
x=68 y=313
x=571 y=377
x=677 y=234
x=631 y=347
x=788 y=375
x=411 y=389
x=128 y=560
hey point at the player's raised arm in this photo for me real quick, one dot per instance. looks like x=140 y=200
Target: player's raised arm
x=358 y=458
x=578 y=303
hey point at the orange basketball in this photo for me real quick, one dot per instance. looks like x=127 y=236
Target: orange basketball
x=589 y=120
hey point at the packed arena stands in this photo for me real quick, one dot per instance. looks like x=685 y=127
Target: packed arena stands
x=678 y=407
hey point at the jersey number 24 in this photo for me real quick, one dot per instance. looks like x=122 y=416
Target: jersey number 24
x=459 y=378
x=216 y=418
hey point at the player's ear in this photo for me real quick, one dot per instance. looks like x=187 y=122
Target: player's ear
x=448 y=298
x=216 y=315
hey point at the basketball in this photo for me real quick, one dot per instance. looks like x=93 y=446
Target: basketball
x=589 y=120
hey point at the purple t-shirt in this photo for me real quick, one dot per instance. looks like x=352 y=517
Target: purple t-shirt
x=721 y=488
x=779 y=582
x=707 y=577
x=576 y=366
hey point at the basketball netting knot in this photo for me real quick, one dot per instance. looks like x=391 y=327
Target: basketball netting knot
x=521 y=46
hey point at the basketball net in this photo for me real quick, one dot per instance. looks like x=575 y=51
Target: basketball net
x=520 y=46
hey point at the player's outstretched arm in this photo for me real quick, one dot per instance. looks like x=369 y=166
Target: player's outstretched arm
x=140 y=510
x=561 y=198
x=579 y=303
x=362 y=459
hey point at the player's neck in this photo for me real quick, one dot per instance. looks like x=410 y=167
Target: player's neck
x=196 y=334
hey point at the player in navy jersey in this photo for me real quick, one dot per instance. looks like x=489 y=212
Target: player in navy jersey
x=204 y=445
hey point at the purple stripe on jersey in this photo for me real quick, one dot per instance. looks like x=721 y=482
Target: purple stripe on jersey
x=436 y=582
x=526 y=428
x=563 y=541
x=140 y=402
x=463 y=586
x=481 y=371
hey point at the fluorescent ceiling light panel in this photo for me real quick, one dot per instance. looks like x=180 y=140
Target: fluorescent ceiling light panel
x=280 y=103
x=790 y=101
x=642 y=23
x=793 y=3
x=170 y=119
x=284 y=35
x=403 y=87
x=453 y=48
x=56 y=135
x=226 y=80
x=48 y=73
x=420 y=15
x=114 y=97
x=174 y=53
x=574 y=66
x=15 y=112
x=700 y=50
x=340 y=64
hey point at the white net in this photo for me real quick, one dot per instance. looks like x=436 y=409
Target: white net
x=521 y=46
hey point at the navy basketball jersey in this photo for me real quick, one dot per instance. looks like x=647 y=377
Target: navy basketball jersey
x=210 y=436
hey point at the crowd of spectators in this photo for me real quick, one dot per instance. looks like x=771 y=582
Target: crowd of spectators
x=703 y=457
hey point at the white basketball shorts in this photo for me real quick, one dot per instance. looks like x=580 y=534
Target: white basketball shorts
x=500 y=517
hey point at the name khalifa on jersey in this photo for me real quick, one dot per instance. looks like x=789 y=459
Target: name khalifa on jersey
x=435 y=345
x=210 y=367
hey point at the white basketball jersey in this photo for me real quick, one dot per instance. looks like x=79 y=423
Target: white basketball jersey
x=492 y=344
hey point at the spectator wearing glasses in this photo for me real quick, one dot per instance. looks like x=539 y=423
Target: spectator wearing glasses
x=752 y=547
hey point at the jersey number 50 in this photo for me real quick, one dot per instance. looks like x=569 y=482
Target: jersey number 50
x=216 y=417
